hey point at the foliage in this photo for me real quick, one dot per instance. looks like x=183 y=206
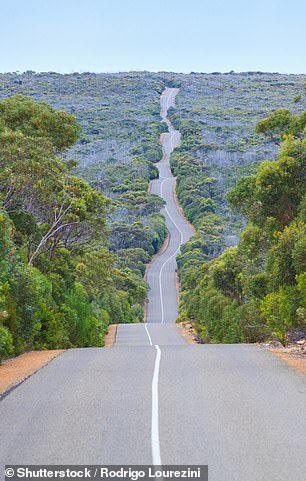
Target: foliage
x=59 y=283
x=68 y=241
x=70 y=260
x=39 y=120
x=256 y=289
x=6 y=343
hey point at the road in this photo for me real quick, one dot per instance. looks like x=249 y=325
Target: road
x=161 y=276
x=154 y=398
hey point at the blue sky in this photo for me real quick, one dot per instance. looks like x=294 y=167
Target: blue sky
x=182 y=36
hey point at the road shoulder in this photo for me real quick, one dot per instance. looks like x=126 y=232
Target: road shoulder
x=293 y=354
x=110 y=337
x=16 y=370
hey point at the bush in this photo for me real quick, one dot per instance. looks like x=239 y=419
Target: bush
x=6 y=343
x=279 y=309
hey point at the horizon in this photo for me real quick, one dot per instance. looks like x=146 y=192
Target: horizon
x=80 y=72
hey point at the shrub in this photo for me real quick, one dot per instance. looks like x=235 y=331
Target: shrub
x=279 y=309
x=6 y=343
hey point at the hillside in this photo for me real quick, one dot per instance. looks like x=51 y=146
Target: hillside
x=256 y=289
x=68 y=294
x=119 y=115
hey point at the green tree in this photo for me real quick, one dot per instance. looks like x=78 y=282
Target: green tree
x=39 y=120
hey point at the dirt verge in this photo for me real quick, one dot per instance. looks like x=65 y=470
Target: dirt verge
x=14 y=371
x=294 y=353
x=188 y=332
x=110 y=337
x=297 y=363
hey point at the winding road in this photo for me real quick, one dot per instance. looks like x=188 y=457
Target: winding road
x=152 y=398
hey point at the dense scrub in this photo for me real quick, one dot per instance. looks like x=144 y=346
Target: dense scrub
x=119 y=115
x=256 y=288
x=217 y=115
x=84 y=281
x=62 y=288
x=60 y=283
x=52 y=235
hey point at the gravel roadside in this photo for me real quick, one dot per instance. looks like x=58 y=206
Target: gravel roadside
x=16 y=370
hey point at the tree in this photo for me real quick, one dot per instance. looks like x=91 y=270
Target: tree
x=282 y=123
x=38 y=119
x=30 y=171
x=225 y=272
x=274 y=126
x=76 y=217
x=278 y=187
x=46 y=213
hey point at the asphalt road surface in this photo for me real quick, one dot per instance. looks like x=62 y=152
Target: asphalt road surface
x=154 y=398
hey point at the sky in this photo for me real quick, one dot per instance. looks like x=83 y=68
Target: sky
x=157 y=35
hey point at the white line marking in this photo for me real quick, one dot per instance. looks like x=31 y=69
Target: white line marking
x=156 y=459
x=155 y=422
x=147 y=331
x=168 y=100
x=169 y=258
x=178 y=229
x=175 y=132
x=171 y=141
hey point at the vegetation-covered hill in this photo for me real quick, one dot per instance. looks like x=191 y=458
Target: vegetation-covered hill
x=257 y=288
x=70 y=289
x=77 y=294
x=217 y=115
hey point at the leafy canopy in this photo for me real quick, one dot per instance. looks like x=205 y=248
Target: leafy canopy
x=38 y=119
